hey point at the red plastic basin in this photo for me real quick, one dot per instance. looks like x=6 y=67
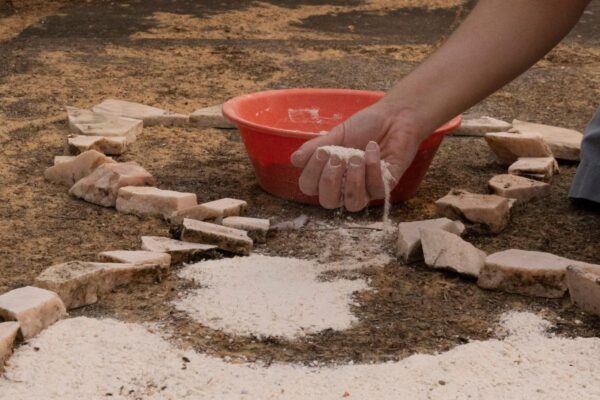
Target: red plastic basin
x=275 y=123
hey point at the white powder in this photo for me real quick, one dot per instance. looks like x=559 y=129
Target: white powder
x=268 y=296
x=84 y=358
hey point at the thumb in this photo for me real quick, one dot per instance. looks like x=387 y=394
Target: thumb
x=334 y=137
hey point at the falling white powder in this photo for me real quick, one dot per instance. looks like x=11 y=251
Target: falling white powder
x=268 y=296
x=83 y=358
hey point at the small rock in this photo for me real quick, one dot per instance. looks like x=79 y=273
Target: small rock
x=584 y=287
x=509 y=146
x=479 y=126
x=180 y=252
x=211 y=117
x=257 y=228
x=519 y=188
x=409 y=236
x=67 y=172
x=150 y=115
x=62 y=159
x=112 y=145
x=535 y=167
x=446 y=250
x=564 y=143
x=229 y=239
x=489 y=211
x=217 y=209
x=138 y=257
x=90 y=123
x=8 y=334
x=35 y=309
x=145 y=200
x=102 y=185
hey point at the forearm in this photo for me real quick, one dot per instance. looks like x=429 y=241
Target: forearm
x=495 y=44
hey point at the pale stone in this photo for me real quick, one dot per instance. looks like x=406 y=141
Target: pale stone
x=180 y=252
x=489 y=211
x=509 y=146
x=446 y=250
x=564 y=143
x=409 y=236
x=517 y=187
x=479 y=126
x=90 y=123
x=211 y=117
x=535 y=167
x=229 y=239
x=8 y=335
x=144 y=200
x=62 y=159
x=67 y=172
x=584 y=287
x=33 y=308
x=257 y=228
x=102 y=186
x=150 y=115
x=216 y=209
x=111 y=145
x=160 y=259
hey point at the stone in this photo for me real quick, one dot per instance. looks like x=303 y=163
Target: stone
x=137 y=257
x=150 y=115
x=531 y=273
x=409 y=236
x=535 y=167
x=519 y=188
x=62 y=159
x=212 y=210
x=90 y=123
x=102 y=186
x=211 y=117
x=233 y=240
x=111 y=145
x=8 y=335
x=145 y=200
x=479 y=126
x=564 y=143
x=180 y=252
x=488 y=211
x=584 y=287
x=446 y=250
x=257 y=228
x=33 y=308
x=509 y=146
x=67 y=172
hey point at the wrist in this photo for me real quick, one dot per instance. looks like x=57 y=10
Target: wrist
x=405 y=117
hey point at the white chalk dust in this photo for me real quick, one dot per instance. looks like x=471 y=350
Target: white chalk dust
x=83 y=358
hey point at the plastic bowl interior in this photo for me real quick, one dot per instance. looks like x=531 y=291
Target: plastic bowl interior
x=273 y=124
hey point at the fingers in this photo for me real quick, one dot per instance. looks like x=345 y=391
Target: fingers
x=355 y=193
x=330 y=184
x=335 y=137
x=373 y=175
x=311 y=174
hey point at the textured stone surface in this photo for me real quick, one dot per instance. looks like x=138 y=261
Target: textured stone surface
x=111 y=145
x=479 y=126
x=90 y=123
x=145 y=200
x=534 y=167
x=145 y=257
x=517 y=187
x=34 y=308
x=446 y=250
x=67 y=172
x=229 y=239
x=584 y=287
x=257 y=228
x=150 y=115
x=62 y=159
x=180 y=252
x=564 y=143
x=102 y=186
x=210 y=117
x=212 y=210
x=8 y=334
x=509 y=146
x=409 y=236
x=489 y=211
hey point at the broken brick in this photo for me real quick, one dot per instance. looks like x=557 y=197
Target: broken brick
x=67 y=172
x=519 y=188
x=534 y=167
x=8 y=335
x=446 y=250
x=409 y=236
x=111 y=145
x=210 y=117
x=479 y=126
x=229 y=239
x=150 y=115
x=509 y=146
x=90 y=123
x=144 y=257
x=584 y=287
x=257 y=228
x=564 y=143
x=145 y=200
x=180 y=252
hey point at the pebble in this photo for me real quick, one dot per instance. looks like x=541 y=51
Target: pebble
x=229 y=239
x=146 y=200
x=519 y=188
x=509 y=146
x=69 y=171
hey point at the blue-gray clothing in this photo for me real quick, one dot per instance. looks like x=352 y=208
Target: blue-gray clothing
x=586 y=184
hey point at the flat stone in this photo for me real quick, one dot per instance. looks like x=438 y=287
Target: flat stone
x=535 y=167
x=145 y=200
x=62 y=159
x=111 y=145
x=584 y=287
x=490 y=212
x=564 y=143
x=180 y=252
x=211 y=117
x=8 y=335
x=257 y=228
x=229 y=239
x=150 y=115
x=519 y=188
x=212 y=210
x=446 y=250
x=479 y=126
x=102 y=186
x=33 y=308
x=90 y=123
x=509 y=146
x=138 y=257
x=67 y=172
x=409 y=236
x=531 y=273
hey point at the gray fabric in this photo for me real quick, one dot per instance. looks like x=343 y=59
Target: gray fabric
x=586 y=184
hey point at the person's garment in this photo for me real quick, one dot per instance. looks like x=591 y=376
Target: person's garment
x=586 y=184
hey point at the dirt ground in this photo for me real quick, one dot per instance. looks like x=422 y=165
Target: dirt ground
x=185 y=54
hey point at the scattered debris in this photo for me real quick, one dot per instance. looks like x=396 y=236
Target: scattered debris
x=67 y=172
x=63 y=159
x=229 y=239
x=509 y=146
x=409 y=236
x=519 y=188
x=446 y=250
x=211 y=117
x=564 y=143
x=150 y=115
x=146 y=200
x=180 y=252
x=162 y=260
x=294 y=224
x=8 y=335
x=257 y=228
x=535 y=167
x=90 y=123
x=102 y=185
x=111 y=145
x=34 y=308
x=584 y=287
x=479 y=126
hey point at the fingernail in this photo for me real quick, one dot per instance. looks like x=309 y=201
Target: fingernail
x=322 y=155
x=297 y=156
x=371 y=146
x=356 y=161
x=335 y=161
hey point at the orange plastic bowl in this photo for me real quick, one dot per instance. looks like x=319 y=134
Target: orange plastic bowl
x=275 y=123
